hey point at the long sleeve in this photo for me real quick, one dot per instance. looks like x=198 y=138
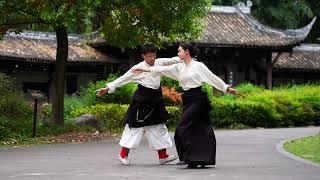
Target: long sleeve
x=128 y=77
x=210 y=78
x=169 y=71
x=167 y=61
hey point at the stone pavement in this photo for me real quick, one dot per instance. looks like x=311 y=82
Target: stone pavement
x=253 y=154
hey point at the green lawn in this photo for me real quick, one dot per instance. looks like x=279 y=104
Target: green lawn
x=306 y=148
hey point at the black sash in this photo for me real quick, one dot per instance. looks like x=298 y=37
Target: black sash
x=147 y=108
x=195 y=94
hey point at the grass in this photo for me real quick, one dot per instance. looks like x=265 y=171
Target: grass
x=23 y=141
x=306 y=148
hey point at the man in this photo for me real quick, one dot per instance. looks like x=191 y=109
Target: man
x=147 y=110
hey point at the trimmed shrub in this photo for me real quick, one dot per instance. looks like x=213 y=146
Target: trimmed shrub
x=282 y=107
x=113 y=115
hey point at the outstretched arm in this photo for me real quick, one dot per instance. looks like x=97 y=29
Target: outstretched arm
x=171 y=71
x=217 y=82
x=128 y=77
x=167 y=61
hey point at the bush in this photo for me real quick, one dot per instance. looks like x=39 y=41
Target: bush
x=171 y=96
x=122 y=95
x=228 y=113
x=113 y=115
x=15 y=113
x=175 y=114
x=282 y=107
x=168 y=82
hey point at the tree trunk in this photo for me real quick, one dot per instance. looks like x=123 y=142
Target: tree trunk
x=59 y=77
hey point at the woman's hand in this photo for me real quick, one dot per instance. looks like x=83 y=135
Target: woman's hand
x=100 y=92
x=235 y=92
x=232 y=91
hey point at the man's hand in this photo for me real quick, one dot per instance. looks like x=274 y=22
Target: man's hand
x=100 y=92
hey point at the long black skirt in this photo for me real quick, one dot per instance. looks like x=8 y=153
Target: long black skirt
x=194 y=136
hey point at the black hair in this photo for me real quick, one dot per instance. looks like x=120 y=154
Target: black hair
x=191 y=47
x=148 y=48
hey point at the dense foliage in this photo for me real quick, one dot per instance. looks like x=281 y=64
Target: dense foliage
x=15 y=113
x=284 y=14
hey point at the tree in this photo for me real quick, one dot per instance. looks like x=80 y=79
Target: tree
x=315 y=33
x=57 y=15
x=128 y=24
x=284 y=14
x=124 y=24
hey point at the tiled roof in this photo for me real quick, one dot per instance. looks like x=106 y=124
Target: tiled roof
x=303 y=58
x=233 y=26
x=41 y=47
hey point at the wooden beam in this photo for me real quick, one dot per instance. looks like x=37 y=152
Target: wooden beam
x=275 y=59
x=269 y=70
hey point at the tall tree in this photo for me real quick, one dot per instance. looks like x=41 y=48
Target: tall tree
x=131 y=23
x=57 y=15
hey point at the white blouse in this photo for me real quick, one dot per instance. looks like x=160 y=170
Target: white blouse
x=145 y=79
x=190 y=75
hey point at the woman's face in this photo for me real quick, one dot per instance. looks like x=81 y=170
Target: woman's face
x=183 y=54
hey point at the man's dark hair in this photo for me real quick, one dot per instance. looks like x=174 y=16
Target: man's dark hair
x=148 y=48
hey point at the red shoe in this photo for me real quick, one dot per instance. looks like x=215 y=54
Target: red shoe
x=124 y=161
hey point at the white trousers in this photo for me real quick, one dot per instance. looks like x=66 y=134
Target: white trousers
x=157 y=135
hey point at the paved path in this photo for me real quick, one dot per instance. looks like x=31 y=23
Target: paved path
x=241 y=155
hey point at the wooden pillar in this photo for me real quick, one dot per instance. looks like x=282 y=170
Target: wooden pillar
x=51 y=87
x=246 y=73
x=269 y=70
x=50 y=82
x=102 y=71
x=229 y=74
x=105 y=71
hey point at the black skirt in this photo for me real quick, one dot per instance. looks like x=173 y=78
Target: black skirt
x=147 y=108
x=194 y=136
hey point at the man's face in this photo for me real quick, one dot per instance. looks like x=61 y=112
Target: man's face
x=149 y=58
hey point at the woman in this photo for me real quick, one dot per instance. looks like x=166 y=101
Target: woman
x=194 y=137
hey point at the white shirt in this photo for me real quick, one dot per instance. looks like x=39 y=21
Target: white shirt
x=145 y=79
x=190 y=75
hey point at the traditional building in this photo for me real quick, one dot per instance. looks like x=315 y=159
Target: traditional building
x=239 y=48
x=302 y=65
x=30 y=58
